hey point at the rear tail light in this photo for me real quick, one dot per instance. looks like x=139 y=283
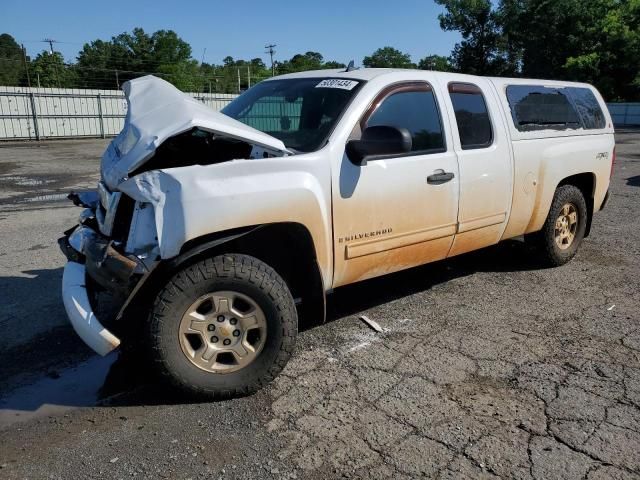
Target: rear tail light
x=613 y=161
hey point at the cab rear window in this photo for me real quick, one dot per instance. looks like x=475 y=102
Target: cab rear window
x=536 y=107
x=472 y=116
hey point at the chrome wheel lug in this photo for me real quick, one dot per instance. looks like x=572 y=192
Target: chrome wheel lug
x=226 y=341
x=211 y=327
x=236 y=333
x=221 y=318
x=214 y=339
x=233 y=321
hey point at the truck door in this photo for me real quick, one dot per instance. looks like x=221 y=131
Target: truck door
x=484 y=159
x=397 y=212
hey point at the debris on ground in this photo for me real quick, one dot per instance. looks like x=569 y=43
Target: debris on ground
x=374 y=325
x=611 y=307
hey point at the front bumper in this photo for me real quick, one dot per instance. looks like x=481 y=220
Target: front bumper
x=80 y=313
x=104 y=264
x=92 y=259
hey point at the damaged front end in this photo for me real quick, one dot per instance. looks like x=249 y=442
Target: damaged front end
x=122 y=233
x=98 y=267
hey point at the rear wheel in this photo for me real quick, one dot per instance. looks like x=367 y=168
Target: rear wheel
x=223 y=327
x=564 y=228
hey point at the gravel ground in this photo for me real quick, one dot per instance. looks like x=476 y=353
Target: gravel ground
x=488 y=367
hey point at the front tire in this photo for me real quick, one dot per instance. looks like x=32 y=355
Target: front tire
x=564 y=228
x=223 y=327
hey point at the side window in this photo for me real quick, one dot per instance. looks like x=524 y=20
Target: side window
x=472 y=116
x=415 y=110
x=588 y=108
x=540 y=108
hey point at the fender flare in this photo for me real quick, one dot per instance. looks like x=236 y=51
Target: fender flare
x=315 y=309
x=162 y=269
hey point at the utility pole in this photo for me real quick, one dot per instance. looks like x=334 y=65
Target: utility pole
x=248 y=77
x=50 y=41
x=271 y=51
x=238 y=80
x=26 y=66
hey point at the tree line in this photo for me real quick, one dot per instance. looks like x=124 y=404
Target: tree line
x=107 y=64
x=594 y=41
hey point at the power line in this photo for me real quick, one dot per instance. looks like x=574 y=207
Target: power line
x=101 y=77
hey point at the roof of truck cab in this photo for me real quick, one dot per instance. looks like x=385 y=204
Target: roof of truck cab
x=367 y=74
x=357 y=74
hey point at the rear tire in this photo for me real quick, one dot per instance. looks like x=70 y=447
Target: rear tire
x=223 y=327
x=564 y=228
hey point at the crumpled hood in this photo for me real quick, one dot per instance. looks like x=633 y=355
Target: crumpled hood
x=157 y=111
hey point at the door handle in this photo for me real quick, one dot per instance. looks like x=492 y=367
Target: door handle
x=439 y=177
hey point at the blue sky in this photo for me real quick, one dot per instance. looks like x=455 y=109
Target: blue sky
x=340 y=30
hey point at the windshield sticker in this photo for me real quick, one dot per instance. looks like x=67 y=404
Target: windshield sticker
x=337 y=83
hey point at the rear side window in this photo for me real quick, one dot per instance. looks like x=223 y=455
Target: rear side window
x=588 y=108
x=541 y=108
x=417 y=112
x=472 y=117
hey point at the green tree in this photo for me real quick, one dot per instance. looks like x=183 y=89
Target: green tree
x=11 y=61
x=306 y=61
x=388 y=57
x=168 y=48
x=224 y=78
x=132 y=55
x=257 y=63
x=481 y=50
x=49 y=70
x=186 y=75
x=435 y=62
x=596 y=41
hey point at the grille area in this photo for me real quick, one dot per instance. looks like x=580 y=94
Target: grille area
x=122 y=219
x=114 y=213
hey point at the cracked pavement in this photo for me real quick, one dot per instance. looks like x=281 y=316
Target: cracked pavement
x=488 y=367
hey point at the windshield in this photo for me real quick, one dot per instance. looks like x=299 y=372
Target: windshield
x=301 y=112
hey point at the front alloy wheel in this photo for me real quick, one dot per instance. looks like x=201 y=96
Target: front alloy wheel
x=222 y=327
x=222 y=332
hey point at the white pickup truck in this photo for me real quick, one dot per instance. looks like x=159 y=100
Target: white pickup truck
x=211 y=232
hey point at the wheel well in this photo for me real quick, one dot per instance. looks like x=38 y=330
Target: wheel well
x=586 y=183
x=288 y=248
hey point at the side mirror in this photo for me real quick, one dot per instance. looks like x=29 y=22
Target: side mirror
x=379 y=140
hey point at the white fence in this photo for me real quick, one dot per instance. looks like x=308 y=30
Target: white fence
x=625 y=114
x=42 y=113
